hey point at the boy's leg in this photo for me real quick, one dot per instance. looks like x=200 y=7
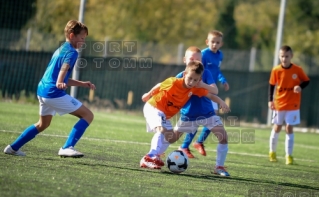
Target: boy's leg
x=188 y=139
x=199 y=143
x=277 y=120
x=222 y=150
x=185 y=145
x=156 y=122
x=190 y=128
x=86 y=117
x=27 y=135
x=159 y=144
x=292 y=118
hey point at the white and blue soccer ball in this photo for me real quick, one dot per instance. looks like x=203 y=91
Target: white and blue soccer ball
x=177 y=161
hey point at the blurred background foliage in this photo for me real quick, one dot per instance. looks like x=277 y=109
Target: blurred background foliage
x=245 y=23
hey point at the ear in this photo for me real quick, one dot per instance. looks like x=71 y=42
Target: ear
x=71 y=35
x=206 y=41
x=184 y=59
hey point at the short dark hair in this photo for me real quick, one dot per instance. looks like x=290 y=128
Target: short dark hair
x=74 y=26
x=195 y=66
x=286 y=48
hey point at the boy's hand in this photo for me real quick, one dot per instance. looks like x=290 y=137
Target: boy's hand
x=224 y=106
x=271 y=105
x=226 y=86
x=61 y=86
x=297 y=89
x=146 y=97
x=90 y=85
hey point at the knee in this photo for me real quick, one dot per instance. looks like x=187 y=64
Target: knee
x=41 y=126
x=89 y=117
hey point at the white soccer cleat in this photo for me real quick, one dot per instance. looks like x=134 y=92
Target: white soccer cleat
x=8 y=150
x=70 y=152
x=220 y=170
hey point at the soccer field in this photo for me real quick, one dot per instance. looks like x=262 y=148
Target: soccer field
x=113 y=146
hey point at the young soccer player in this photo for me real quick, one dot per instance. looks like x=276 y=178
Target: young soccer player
x=289 y=80
x=163 y=101
x=199 y=111
x=212 y=58
x=53 y=98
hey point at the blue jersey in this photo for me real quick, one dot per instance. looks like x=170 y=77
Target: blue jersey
x=198 y=108
x=65 y=54
x=212 y=62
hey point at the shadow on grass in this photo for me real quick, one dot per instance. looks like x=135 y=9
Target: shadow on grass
x=207 y=177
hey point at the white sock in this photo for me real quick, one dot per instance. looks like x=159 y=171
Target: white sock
x=156 y=143
x=164 y=147
x=222 y=150
x=273 y=141
x=289 y=144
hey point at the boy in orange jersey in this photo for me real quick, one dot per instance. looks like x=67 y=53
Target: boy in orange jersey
x=289 y=80
x=164 y=101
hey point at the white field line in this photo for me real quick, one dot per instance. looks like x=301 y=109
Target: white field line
x=144 y=143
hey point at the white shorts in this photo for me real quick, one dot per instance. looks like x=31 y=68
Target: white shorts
x=291 y=117
x=155 y=118
x=192 y=126
x=215 y=106
x=62 y=105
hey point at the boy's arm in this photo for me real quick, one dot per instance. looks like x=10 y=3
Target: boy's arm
x=60 y=81
x=271 y=97
x=153 y=91
x=86 y=84
x=71 y=82
x=218 y=100
x=211 y=88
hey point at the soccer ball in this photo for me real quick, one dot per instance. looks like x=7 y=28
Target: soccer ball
x=177 y=161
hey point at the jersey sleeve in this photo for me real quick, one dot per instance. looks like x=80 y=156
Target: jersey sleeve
x=180 y=75
x=302 y=75
x=272 y=80
x=200 y=92
x=167 y=83
x=70 y=58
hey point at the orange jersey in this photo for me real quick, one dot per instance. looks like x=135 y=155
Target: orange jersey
x=285 y=80
x=172 y=96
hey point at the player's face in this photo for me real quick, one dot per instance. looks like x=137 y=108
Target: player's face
x=214 y=42
x=78 y=40
x=191 y=56
x=191 y=79
x=285 y=58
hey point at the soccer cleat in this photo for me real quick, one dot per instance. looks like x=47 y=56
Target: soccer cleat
x=151 y=162
x=200 y=148
x=220 y=170
x=187 y=151
x=8 y=150
x=70 y=152
x=272 y=157
x=289 y=160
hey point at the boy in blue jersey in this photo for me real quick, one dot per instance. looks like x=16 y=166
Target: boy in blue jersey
x=53 y=98
x=212 y=58
x=199 y=111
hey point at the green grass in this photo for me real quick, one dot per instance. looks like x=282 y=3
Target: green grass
x=113 y=146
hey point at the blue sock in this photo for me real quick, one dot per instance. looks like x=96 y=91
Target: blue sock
x=27 y=135
x=203 y=135
x=188 y=139
x=76 y=133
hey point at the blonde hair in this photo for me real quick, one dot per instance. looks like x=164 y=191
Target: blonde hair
x=75 y=27
x=195 y=66
x=193 y=49
x=215 y=33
